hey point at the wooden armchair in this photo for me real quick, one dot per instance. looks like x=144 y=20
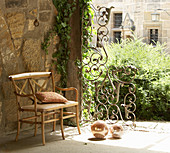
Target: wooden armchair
x=26 y=86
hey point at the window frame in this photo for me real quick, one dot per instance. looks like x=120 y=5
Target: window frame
x=116 y=27
x=146 y=31
x=117 y=20
x=153 y=36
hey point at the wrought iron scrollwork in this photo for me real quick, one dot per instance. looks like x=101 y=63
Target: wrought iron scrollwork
x=94 y=63
x=102 y=15
x=101 y=84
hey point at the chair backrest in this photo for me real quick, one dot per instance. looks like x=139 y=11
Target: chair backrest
x=27 y=84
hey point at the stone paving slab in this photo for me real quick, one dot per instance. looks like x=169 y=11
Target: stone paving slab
x=148 y=137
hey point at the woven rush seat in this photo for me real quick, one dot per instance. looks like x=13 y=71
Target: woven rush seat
x=47 y=107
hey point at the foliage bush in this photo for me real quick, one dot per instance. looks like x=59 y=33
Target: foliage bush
x=152 y=80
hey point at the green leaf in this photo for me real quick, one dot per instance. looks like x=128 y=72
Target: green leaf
x=64 y=24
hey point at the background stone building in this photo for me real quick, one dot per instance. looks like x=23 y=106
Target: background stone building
x=136 y=15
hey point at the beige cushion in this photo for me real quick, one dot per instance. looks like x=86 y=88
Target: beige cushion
x=50 y=97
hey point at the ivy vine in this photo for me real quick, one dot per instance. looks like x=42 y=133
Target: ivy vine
x=62 y=28
x=85 y=10
x=47 y=40
x=85 y=13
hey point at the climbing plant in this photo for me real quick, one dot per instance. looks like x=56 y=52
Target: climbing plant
x=65 y=10
x=62 y=28
x=85 y=10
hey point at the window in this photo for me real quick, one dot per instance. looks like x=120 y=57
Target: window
x=153 y=36
x=117 y=20
x=117 y=37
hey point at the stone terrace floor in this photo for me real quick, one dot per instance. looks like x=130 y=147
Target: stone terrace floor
x=147 y=137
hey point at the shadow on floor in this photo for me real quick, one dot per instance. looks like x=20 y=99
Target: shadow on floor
x=132 y=142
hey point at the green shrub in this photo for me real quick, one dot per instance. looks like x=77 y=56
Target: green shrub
x=152 y=80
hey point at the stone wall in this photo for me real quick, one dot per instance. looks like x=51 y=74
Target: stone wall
x=23 y=26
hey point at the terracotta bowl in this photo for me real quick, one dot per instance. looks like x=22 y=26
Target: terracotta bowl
x=99 y=129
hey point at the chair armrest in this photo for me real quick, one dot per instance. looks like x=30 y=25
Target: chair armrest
x=26 y=95
x=69 y=89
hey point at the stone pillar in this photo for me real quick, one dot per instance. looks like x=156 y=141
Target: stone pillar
x=0 y=111
x=75 y=48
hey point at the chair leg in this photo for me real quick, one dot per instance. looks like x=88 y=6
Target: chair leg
x=54 y=123
x=19 y=125
x=42 y=128
x=35 y=132
x=61 y=123
x=77 y=119
x=18 y=130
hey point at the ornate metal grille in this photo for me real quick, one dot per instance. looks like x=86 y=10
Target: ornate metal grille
x=102 y=84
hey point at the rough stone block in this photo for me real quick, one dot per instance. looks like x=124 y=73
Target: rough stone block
x=15 y=3
x=164 y=33
x=168 y=44
x=17 y=43
x=31 y=26
x=166 y=6
x=152 y=7
x=164 y=16
x=0 y=71
x=44 y=16
x=11 y=112
x=8 y=90
x=33 y=3
x=151 y=1
x=147 y=15
x=0 y=111
x=10 y=126
x=10 y=115
x=3 y=25
x=33 y=12
x=168 y=33
x=4 y=38
x=16 y=22
x=7 y=51
x=164 y=40
x=166 y=25
x=31 y=55
x=10 y=63
x=44 y=5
